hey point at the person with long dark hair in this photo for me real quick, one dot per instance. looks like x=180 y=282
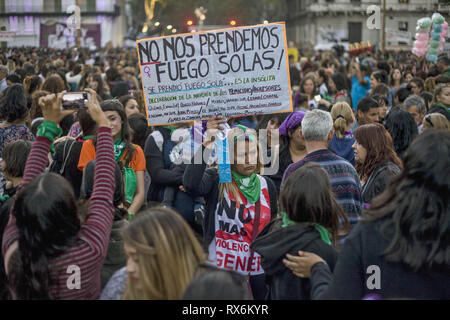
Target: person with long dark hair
x=376 y=160
x=96 y=83
x=310 y=221
x=130 y=157
x=400 y=249
x=402 y=128
x=44 y=243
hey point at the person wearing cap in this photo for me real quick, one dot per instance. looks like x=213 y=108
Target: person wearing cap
x=293 y=145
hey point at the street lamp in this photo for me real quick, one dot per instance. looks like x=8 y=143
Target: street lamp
x=169 y=27
x=266 y=22
x=174 y=30
x=157 y=24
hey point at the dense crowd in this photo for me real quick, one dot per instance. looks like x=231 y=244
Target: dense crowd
x=95 y=204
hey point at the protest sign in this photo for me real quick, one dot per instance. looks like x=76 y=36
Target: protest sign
x=232 y=72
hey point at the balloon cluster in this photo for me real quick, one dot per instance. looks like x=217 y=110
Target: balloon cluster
x=430 y=37
x=357 y=48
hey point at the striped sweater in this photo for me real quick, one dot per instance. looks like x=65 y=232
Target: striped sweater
x=89 y=250
x=343 y=178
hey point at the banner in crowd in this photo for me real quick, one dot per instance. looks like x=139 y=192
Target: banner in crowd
x=397 y=36
x=230 y=72
x=60 y=36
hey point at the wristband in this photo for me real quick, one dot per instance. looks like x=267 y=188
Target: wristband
x=130 y=215
x=49 y=130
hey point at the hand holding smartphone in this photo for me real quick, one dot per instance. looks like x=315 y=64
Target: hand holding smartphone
x=75 y=100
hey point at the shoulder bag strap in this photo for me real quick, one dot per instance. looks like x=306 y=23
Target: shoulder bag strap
x=66 y=156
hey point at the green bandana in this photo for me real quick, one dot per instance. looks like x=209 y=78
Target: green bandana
x=249 y=135
x=50 y=130
x=88 y=138
x=119 y=148
x=130 y=184
x=250 y=186
x=4 y=198
x=324 y=233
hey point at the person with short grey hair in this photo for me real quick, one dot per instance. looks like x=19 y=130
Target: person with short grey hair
x=415 y=106
x=317 y=130
x=4 y=72
x=317 y=125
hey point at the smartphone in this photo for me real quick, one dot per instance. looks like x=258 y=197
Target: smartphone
x=75 y=100
x=317 y=98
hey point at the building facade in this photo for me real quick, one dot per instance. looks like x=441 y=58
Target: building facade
x=316 y=23
x=38 y=22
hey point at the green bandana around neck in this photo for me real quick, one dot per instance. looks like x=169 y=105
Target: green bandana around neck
x=250 y=186
x=130 y=184
x=324 y=233
x=88 y=138
x=119 y=149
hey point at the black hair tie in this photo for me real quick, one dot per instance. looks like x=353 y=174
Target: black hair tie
x=340 y=116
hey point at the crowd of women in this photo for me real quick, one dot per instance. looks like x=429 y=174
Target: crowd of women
x=94 y=204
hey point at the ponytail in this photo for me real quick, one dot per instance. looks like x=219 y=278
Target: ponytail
x=340 y=125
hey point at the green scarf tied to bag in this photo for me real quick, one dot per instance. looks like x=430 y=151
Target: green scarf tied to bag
x=130 y=178
x=250 y=186
x=324 y=233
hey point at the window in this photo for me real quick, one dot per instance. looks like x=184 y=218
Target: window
x=91 y=5
x=2 y=6
x=403 y=1
x=58 y=6
x=403 y=25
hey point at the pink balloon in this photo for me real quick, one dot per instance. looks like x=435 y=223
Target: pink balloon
x=419 y=44
x=422 y=36
x=419 y=52
x=445 y=25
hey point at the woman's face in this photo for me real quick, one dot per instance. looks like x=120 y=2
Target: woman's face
x=131 y=107
x=408 y=77
x=444 y=97
x=245 y=160
x=132 y=265
x=296 y=137
x=93 y=84
x=382 y=110
x=360 y=152
x=396 y=75
x=308 y=87
x=115 y=123
x=373 y=82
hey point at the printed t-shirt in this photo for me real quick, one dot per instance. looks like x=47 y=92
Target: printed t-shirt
x=230 y=248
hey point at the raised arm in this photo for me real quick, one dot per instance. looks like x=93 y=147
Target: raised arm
x=195 y=180
x=48 y=131
x=98 y=225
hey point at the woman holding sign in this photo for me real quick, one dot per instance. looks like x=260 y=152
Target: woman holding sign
x=236 y=211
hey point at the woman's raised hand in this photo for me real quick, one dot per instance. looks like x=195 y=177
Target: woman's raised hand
x=51 y=106
x=95 y=110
